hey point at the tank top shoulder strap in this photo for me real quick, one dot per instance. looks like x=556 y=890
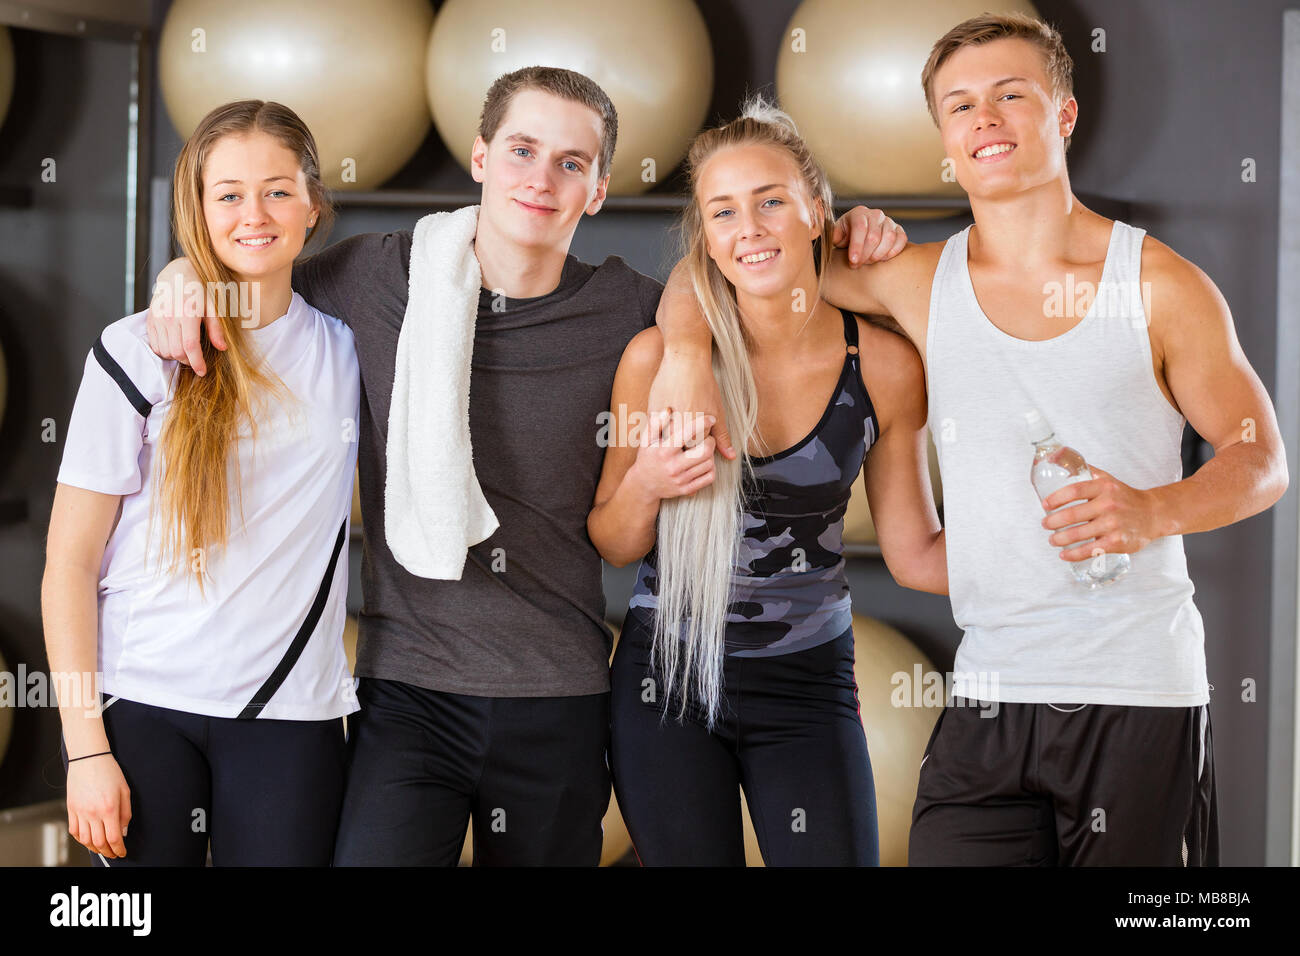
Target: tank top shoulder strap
x=850 y=331
x=854 y=383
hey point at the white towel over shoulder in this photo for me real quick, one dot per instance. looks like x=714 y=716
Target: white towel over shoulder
x=434 y=508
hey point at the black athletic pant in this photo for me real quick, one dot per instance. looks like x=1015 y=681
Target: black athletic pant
x=790 y=735
x=1066 y=784
x=266 y=792
x=531 y=772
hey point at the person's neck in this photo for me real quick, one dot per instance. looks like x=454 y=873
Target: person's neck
x=269 y=297
x=1026 y=230
x=520 y=272
x=773 y=325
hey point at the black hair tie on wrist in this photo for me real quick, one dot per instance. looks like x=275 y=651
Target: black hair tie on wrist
x=102 y=753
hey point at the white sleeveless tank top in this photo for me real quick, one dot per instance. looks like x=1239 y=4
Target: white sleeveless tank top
x=1031 y=633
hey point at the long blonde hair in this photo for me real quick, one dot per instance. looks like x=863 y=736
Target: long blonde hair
x=699 y=536
x=196 y=467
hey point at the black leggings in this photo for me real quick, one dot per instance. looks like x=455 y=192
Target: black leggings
x=789 y=735
x=266 y=792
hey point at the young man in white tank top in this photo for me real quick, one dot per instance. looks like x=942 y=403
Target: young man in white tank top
x=1078 y=731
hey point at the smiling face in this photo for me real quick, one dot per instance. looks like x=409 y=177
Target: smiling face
x=540 y=171
x=256 y=204
x=759 y=220
x=998 y=120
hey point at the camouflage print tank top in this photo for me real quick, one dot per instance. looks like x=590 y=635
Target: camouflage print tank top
x=789 y=590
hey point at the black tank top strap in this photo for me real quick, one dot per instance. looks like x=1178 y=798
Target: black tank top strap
x=850 y=331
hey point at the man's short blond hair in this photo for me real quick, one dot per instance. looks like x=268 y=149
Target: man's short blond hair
x=988 y=27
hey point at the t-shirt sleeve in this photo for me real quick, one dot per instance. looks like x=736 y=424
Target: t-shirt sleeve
x=650 y=291
x=121 y=383
x=339 y=279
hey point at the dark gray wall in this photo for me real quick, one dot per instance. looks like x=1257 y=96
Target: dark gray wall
x=1185 y=90
x=62 y=279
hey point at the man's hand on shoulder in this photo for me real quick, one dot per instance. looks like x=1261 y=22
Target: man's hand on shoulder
x=868 y=235
x=177 y=314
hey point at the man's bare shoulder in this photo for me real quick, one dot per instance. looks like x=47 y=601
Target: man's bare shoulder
x=1175 y=278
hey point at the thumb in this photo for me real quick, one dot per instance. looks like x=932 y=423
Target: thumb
x=723 y=438
x=840 y=233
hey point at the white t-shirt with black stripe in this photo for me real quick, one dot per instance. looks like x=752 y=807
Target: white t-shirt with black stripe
x=282 y=578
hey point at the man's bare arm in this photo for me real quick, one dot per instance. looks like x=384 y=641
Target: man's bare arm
x=1220 y=395
x=1222 y=398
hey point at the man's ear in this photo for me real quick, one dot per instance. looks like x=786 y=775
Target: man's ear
x=477 y=158
x=1068 y=116
x=598 y=199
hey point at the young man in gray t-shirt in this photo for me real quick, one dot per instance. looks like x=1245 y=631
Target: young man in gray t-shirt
x=488 y=697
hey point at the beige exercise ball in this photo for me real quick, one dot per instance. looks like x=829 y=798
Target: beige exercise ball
x=849 y=73
x=353 y=71
x=6 y=72
x=859 y=528
x=652 y=58
x=6 y=717
x=617 y=844
x=897 y=727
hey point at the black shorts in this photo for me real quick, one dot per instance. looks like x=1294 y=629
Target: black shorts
x=1016 y=784
x=531 y=772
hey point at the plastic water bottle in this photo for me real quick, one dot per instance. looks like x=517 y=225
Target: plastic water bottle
x=1055 y=466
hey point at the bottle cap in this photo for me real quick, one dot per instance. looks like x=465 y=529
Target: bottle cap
x=1037 y=428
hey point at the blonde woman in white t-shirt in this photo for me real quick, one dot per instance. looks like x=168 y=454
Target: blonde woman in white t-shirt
x=195 y=578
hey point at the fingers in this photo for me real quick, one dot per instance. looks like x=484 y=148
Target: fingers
x=654 y=427
x=860 y=228
x=215 y=333
x=701 y=451
x=703 y=481
x=192 y=345
x=97 y=841
x=113 y=836
x=892 y=240
x=1104 y=544
x=723 y=438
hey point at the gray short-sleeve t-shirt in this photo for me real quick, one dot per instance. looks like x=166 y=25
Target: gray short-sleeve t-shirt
x=527 y=617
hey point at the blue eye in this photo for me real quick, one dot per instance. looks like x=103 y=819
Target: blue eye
x=521 y=149
x=775 y=200
x=227 y=196
x=278 y=192
x=570 y=163
x=721 y=212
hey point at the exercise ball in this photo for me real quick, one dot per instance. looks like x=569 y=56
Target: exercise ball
x=859 y=528
x=353 y=71
x=6 y=72
x=849 y=73
x=652 y=58
x=885 y=665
